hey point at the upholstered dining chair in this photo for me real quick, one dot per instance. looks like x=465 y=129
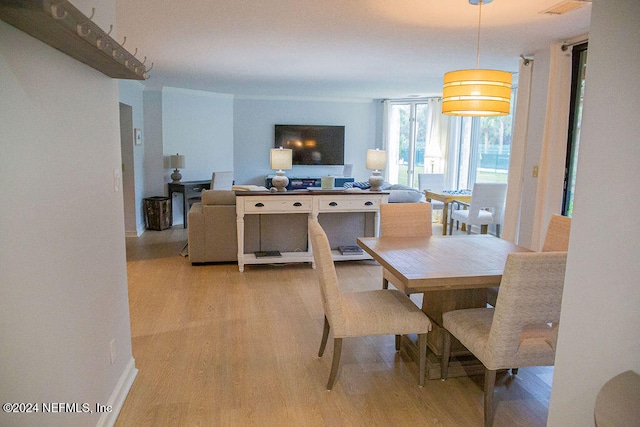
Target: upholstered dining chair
x=403 y=220
x=486 y=207
x=556 y=240
x=517 y=333
x=222 y=180
x=432 y=181
x=354 y=314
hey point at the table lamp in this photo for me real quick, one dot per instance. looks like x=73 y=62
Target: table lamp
x=176 y=162
x=280 y=159
x=376 y=160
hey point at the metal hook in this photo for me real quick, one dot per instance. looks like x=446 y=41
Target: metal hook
x=110 y=29
x=145 y=60
x=150 y=68
x=54 y=11
x=124 y=41
x=134 y=53
x=101 y=43
x=80 y=28
x=116 y=54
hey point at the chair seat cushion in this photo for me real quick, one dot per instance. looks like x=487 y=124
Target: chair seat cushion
x=381 y=312
x=462 y=215
x=472 y=327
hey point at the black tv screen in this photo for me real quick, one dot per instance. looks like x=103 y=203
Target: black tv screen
x=312 y=145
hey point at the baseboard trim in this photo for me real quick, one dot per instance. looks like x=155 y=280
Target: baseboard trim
x=108 y=419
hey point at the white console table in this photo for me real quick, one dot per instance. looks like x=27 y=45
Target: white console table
x=309 y=202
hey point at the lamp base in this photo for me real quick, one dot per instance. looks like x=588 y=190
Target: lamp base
x=375 y=181
x=280 y=181
x=176 y=176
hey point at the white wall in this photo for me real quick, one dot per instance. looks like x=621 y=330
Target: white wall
x=198 y=125
x=599 y=334
x=254 y=120
x=131 y=94
x=63 y=282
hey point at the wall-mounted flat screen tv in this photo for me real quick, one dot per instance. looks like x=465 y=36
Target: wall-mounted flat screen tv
x=312 y=144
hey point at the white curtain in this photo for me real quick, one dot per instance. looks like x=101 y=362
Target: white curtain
x=518 y=150
x=437 y=137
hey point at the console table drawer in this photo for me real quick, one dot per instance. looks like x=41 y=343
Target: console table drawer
x=353 y=203
x=275 y=204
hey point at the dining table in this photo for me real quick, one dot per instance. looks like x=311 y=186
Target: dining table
x=447 y=197
x=452 y=273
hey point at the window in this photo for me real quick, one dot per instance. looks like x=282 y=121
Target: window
x=409 y=148
x=480 y=148
x=578 y=78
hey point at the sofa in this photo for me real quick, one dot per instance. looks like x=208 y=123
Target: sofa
x=212 y=235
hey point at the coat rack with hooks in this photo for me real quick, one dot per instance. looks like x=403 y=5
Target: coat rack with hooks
x=60 y=25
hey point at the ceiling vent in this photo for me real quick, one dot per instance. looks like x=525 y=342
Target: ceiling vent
x=565 y=6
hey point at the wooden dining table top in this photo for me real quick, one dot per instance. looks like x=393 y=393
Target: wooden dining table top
x=434 y=263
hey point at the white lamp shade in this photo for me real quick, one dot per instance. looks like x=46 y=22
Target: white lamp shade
x=281 y=158
x=376 y=159
x=177 y=161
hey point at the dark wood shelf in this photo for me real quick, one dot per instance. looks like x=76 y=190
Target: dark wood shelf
x=60 y=25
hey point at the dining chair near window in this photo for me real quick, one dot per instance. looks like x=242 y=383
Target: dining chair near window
x=403 y=220
x=433 y=182
x=517 y=332
x=485 y=208
x=354 y=314
x=556 y=240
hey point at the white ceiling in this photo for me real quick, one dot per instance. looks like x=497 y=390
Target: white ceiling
x=334 y=48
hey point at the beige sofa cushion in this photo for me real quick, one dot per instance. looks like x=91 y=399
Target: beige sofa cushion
x=218 y=197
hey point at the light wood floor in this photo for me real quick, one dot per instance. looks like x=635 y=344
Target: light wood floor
x=217 y=347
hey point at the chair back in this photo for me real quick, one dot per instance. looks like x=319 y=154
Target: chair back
x=487 y=196
x=530 y=294
x=326 y=273
x=405 y=220
x=222 y=180
x=431 y=181
x=557 y=237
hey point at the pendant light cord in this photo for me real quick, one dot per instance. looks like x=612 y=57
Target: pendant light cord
x=479 y=21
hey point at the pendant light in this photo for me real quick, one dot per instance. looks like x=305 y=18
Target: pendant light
x=477 y=92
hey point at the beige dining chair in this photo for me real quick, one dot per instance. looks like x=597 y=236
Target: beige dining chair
x=403 y=220
x=517 y=332
x=485 y=208
x=354 y=314
x=556 y=240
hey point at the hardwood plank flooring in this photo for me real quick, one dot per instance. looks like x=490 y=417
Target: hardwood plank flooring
x=215 y=347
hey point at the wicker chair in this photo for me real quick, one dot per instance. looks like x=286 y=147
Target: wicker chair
x=403 y=220
x=556 y=240
x=377 y=312
x=516 y=333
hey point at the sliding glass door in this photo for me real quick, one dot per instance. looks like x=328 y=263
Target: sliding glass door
x=578 y=78
x=407 y=148
x=480 y=149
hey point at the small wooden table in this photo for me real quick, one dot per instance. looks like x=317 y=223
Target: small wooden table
x=452 y=272
x=446 y=197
